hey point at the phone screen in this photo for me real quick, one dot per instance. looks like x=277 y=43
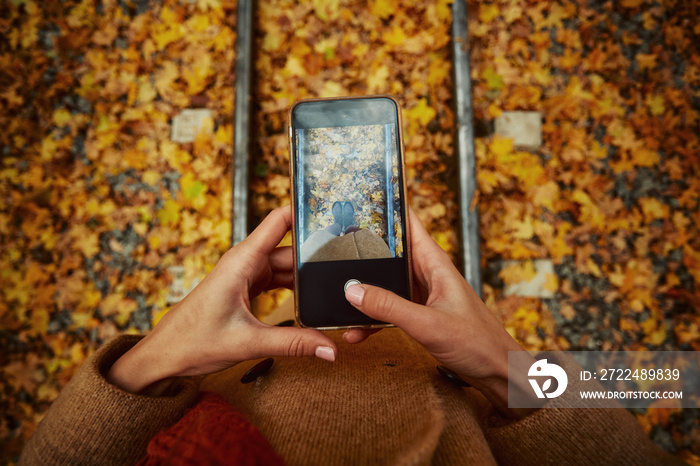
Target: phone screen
x=349 y=205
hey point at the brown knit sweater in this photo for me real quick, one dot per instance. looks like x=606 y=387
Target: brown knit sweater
x=381 y=402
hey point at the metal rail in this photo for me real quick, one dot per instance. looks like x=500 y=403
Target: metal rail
x=241 y=137
x=464 y=132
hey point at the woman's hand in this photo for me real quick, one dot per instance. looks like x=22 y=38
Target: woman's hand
x=213 y=328
x=454 y=325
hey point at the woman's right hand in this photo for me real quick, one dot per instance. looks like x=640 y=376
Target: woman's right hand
x=453 y=324
x=213 y=327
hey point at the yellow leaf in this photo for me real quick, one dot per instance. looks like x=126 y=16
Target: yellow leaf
x=191 y=187
x=166 y=36
x=501 y=148
x=77 y=354
x=327 y=9
x=278 y=186
x=688 y=333
x=617 y=276
x=438 y=72
x=206 y=5
x=657 y=337
x=511 y=12
x=146 y=92
x=551 y=282
x=85 y=240
x=140 y=228
x=395 y=36
x=518 y=272
x=224 y=134
x=273 y=40
x=590 y=212
x=294 y=67
x=198 y=23
x=377 y=81
x=48 y=148
x=487 y=180
x=545 y=194
x=332 y=89
x=593 y=268
x=655 y=104
x=119 y=307
x=680 y=221
x=487 y=12
x=645 y=157
x=443 y=240
x=151 y=177
x=81 y=319
x=165 y=76
x=437 y=210
x=61 y=117
x=653 y=209
x=196 y=76
x=421 y=113
x=493 y=79
x=527 y=319
x=524 y=229
x=169 y=215
x=39 y=322
x=154 y=241
x=381 y=8
x=173 y=154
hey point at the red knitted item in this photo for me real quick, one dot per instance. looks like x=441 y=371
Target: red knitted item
x=210 y=433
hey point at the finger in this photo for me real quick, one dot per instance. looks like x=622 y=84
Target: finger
x=430 y=263
x=281 y=280
x=291 y=341
x=271 y=231
x=281 y=259
x=419 y=234
x=381 y=304
x=423 y=245
x=358 y=335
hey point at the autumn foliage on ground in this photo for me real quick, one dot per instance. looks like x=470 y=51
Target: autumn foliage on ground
x=97 y=203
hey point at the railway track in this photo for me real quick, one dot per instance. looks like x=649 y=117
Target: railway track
x=463 y=129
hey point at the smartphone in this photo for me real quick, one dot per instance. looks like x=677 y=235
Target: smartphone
x=349 y=202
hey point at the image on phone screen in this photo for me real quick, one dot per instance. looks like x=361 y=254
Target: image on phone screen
x=349 y=206
x=350 y=185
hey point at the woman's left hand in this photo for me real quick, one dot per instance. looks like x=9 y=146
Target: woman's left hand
x=213 y=327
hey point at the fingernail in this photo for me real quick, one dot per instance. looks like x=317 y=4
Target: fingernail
x=325 y=352
x=355 y=294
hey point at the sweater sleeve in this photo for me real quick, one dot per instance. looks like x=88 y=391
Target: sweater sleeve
x=560 y=434
x=95 y=422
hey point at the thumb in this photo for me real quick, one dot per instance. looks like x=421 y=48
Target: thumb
x=292 y=341
x=381 y=304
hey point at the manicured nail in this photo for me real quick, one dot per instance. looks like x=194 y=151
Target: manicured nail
x=325 y=352
x=355 y=294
